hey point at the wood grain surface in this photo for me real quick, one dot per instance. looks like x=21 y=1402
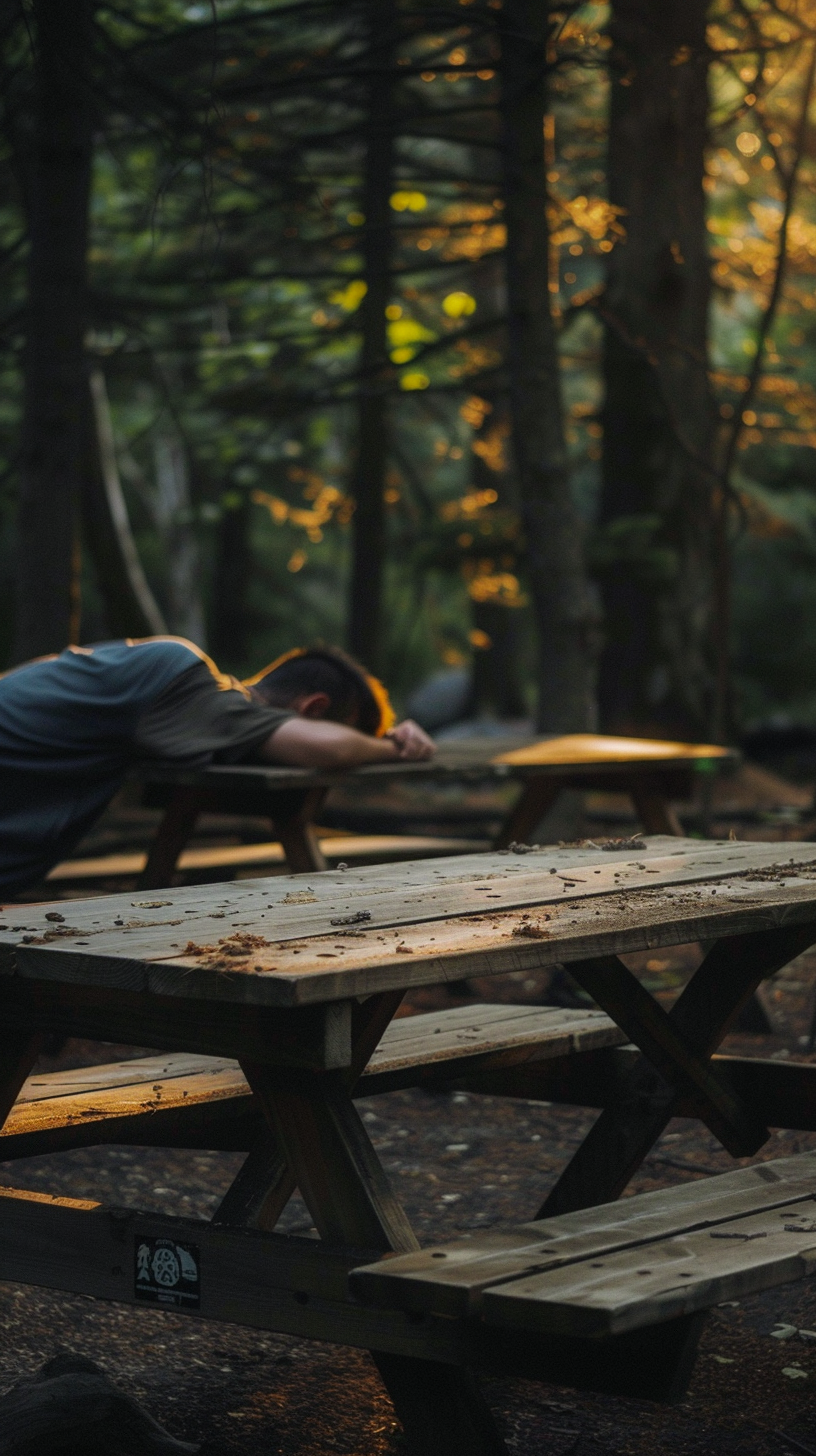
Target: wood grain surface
x=455 y=1278
x=290 y=941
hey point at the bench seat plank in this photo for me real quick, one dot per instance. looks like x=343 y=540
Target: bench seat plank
x=453 y=1280
x=146 y=1097
x=488 y=1032
x=45 y=1086
x=647 y=1285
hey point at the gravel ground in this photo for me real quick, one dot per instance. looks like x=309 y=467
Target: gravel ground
x=460 y=1163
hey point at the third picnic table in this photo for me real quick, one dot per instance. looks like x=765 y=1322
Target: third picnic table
x=242 y=971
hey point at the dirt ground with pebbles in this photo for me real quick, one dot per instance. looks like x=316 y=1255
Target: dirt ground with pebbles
x=460 y=1163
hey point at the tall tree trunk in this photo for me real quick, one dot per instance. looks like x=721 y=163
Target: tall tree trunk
x=656 y=669
x=185 y=610
x=368 y=522
x=130 y=607
x=496 y=684
x=231 y=616
x=561 y=599
x=54 y=408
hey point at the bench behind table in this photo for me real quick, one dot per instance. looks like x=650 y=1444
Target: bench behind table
x=544 y=1054
x=184 y=1100
x=651 y=773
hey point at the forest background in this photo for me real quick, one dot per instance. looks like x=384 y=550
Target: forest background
x=471 y=335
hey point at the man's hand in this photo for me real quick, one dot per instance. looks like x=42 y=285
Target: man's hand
x=411 y=741
x=318 y=743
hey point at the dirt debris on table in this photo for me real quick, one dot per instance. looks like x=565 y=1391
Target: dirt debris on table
x=231 y=953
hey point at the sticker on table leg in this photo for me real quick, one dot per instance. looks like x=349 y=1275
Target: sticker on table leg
x=167 y=1272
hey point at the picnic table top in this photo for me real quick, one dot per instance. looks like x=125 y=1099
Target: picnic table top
x=268 y=942
x=499 y=757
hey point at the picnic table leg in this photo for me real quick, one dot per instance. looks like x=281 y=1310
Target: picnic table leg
x=652 y=807
x=345 y=1187
x=297 y=835
x=264 y=1184
x=171 y=837
x=261 y=1189
x=624 y=1134
x=537 y=797
x=19 y=1051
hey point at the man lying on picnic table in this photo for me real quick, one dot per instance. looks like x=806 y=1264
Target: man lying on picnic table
x=71 y=725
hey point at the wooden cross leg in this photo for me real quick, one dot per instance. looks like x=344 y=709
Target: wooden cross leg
x=292 y=815
x=325 y=1151
x=350 y=1199
x=19 y=1050
x=540 y=792
x=675 y=1066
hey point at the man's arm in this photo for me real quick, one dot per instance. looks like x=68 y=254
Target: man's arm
x=318 y=743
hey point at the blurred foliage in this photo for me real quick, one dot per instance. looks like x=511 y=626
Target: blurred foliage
x=225 y=281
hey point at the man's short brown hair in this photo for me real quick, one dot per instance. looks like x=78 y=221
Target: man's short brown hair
x=353 y=696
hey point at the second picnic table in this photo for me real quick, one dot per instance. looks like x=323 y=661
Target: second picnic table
x=651 y=771
x=242 y=972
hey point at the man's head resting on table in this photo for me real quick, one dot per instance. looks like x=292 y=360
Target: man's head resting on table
x=344 y=715
x=324 y=682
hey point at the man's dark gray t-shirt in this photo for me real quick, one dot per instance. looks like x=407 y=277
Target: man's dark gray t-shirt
x=72 y=725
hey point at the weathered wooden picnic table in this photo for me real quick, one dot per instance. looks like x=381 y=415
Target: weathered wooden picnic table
x=278 y=1043
x=651 y=771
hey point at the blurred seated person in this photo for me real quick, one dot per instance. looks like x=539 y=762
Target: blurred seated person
x=72 y=725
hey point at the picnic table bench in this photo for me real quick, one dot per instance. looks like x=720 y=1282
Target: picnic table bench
x=240 y=973
x=651 y=771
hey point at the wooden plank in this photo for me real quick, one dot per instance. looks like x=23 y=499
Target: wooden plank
x=784 y=1093
x=306 y=971
x=487 y=1033
x=464 y=884
x=269 y=1281
x=111 y=1076
x=483 y=757
x=296 y=1286
x=94 y=1104
x=333 y=889
x=453 y=1279
x=108 y=1105
x=286 y=1037
x=179 y=1100
x=642 y=1287
x=622 y=915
